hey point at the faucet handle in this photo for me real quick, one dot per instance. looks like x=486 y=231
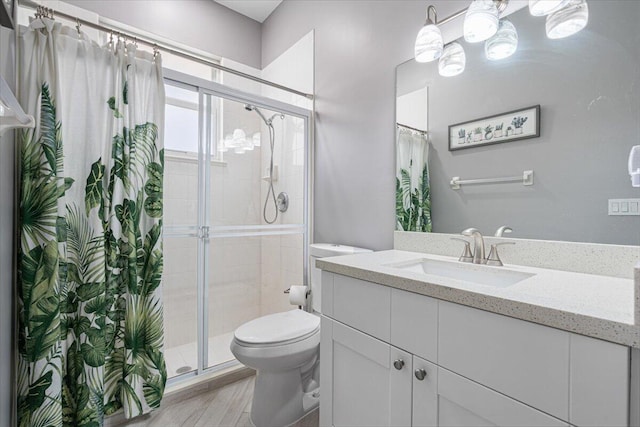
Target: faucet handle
x=504 y=229
x=494 y=258
x=466 y=256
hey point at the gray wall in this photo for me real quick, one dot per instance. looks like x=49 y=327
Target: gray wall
x=201 y=24
x=588 y=87
x=357 y=47
x=7 y=63
x=358 y=44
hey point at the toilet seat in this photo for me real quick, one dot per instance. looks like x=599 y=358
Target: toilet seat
x=278 y=329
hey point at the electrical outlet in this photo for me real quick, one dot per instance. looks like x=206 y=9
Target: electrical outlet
x=624 y=207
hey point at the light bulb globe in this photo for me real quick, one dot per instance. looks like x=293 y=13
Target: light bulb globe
x=480 y=21
x=568 y=20
x=429 y=43
x=504 y=43
x=545 y=7
x=452 y=61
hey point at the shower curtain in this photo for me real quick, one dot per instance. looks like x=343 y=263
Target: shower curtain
x=413 y=196
x=90 y=249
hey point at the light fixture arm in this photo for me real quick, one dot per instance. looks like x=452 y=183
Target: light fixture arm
x=500 y=4
x=432 y=10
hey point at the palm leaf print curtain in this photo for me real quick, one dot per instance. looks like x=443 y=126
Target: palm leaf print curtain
x=413 y=195
x=90 y=250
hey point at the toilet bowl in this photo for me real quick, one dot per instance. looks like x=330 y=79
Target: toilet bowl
x=284 y=349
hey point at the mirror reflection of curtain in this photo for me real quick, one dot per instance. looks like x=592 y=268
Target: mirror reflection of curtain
x=413 y=195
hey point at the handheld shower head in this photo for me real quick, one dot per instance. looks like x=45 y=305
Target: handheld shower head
x=270 y=192
x=250 y=107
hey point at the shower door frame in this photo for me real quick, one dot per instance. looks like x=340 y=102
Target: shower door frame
x=204 y=231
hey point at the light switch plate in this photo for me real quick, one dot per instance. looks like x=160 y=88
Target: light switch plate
x=624 y=207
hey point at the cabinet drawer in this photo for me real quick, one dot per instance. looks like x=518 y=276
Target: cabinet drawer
x=599 y=383
x=463 y=403
x=362 y=305
x=520 y=359
x=414 y=324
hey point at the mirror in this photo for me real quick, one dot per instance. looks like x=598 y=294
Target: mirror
x=587 y=86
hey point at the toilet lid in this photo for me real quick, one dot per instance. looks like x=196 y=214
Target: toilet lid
x=279 y=327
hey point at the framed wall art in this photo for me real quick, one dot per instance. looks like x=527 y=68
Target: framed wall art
x=505 y=127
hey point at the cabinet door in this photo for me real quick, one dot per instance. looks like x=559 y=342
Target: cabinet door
x=463 y=403
x=361 y=386
x=425 y=393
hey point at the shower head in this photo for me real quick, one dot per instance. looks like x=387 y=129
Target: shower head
x=250 y=107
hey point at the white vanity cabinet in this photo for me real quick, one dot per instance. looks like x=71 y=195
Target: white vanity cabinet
x=396 y=358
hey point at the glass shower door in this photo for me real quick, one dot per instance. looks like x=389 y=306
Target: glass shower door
x=256 y=245
x=180 y=223
x=230 y=251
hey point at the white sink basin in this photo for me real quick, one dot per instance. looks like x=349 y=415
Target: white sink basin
x=490 y=276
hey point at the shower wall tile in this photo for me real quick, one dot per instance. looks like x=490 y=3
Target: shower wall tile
x=275 y=303
x=293 y=241
x=180 y=316
x=233 y=303
x=180 y=191
x=217 y=194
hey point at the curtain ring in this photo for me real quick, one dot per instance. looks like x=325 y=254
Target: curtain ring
x=156 y=51
x=78 y=25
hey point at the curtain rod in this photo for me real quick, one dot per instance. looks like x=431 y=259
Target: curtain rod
x=412 y=128
x=155 y=45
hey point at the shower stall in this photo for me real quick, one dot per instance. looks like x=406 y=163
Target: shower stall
x=236 y=209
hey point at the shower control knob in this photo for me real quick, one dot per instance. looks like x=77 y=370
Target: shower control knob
x=398 y=364
x=420 y=374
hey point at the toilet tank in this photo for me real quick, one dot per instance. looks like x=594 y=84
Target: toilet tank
x=322 y=250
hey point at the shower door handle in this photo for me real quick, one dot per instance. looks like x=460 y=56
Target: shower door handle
x=203 y=233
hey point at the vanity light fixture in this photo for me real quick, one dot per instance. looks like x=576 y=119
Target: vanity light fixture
x=568 y=20
x=480 y=21
x=452 y=61
x=504 y=43
x=545 y=7
x=429 y=43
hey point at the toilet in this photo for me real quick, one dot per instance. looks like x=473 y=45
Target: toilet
x=284 y=349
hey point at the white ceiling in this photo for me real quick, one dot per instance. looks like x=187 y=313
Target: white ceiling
x=258 y=10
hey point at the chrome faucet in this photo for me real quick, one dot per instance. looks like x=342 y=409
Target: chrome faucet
x=502 y=230
x=478 y=245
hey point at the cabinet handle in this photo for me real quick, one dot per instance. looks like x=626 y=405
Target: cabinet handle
x=420 y=374
x=398 y=364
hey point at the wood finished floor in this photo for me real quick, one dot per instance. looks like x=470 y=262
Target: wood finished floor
x=228 y=406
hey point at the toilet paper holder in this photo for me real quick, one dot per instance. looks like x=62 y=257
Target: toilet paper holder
x=288 y=290
x=306 y=295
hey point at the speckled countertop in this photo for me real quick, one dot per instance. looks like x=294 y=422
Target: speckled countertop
x=598 y=306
